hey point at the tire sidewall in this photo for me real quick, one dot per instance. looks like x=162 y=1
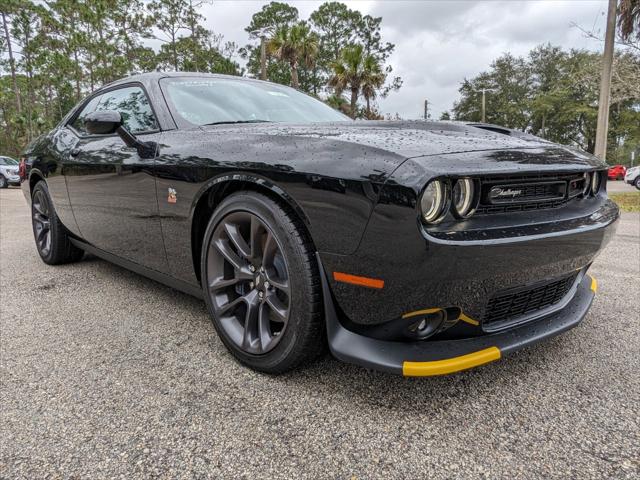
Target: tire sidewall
x=4 y=183
x=300 y=293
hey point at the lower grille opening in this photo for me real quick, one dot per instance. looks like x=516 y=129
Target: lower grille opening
x=507 y=307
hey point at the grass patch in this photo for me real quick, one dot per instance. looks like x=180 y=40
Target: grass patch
x=627 y=201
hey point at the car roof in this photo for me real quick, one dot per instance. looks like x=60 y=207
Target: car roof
x=154 y=77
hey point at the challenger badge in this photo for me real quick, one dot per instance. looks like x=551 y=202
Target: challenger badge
x=172 y=198
x=497 y=192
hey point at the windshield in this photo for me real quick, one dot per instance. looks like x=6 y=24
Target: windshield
x=206 y=101
x=8 y=161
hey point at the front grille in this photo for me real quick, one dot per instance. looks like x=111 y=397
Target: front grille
x=523 y=193
x=508 y=306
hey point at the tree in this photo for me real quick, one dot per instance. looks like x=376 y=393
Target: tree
x=554 y=93
x=269 y=19
x=170 y=17
x=337 y=26
x=293 y=45
x=629 y=19
x=509 y=83
x=8 y=9
x=61 y=50
x=372 y=80
x=355 y=70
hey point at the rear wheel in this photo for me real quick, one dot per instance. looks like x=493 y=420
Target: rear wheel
x=52 y=239
x=261 y=284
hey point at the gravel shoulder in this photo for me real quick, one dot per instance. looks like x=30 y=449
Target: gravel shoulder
x=105 y=374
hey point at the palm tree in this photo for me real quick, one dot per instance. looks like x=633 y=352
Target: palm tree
x=294 y=44
x=372 y=80
x=358 y=72
x=629 y=20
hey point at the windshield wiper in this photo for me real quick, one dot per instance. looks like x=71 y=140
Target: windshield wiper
x=231 y=122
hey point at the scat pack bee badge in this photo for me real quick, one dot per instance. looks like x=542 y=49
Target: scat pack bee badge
x=172 y=197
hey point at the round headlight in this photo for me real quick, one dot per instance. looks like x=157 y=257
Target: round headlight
x=433 y=201
x=463 y=196
x=595 y=183
x=587 y=184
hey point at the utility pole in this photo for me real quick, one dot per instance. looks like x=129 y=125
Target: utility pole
x=263 y=57
x=426 y=109
x=262 y=34
x=484 y=106
x=605 y=83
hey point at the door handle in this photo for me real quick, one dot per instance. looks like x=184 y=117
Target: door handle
x=74 y=152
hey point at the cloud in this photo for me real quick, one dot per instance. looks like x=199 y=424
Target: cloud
x=439 y=43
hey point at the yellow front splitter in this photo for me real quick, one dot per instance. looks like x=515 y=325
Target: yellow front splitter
x=450 y=365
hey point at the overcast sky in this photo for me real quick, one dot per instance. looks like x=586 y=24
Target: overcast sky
x=439 y=43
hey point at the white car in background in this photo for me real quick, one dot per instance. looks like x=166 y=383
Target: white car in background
x=633 y=176
x=8 y=172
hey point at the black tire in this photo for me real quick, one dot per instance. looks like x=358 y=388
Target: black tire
x=3 y=182
x=51 y=237
x=636 y=183
x=301 y=338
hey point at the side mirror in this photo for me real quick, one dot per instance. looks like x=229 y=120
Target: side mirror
x=103 y=122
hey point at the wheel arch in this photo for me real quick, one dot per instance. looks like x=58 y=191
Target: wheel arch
x=34 y=177
x=219 y=188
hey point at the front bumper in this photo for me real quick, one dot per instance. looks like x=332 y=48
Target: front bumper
x=427 y=358
x=13 y=179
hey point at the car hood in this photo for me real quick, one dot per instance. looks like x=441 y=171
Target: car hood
x=404 y=138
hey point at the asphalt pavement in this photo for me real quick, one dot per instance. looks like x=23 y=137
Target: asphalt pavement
x=106 y=374
x=620 y=186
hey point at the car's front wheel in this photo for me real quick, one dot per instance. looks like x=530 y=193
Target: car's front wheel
x=3 y=182
x=52 y=239
x=637 y=183
x=261 y=283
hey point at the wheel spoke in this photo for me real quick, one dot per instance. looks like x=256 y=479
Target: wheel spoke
x=270 y=248
x=264 y=328
x=39 y=218
x=38 y=205
x=278 y=283
x=277 y=307
x=227 y=252
x=255 y=237
x=233 y=232
x=251 y=321
x=230 y=305
x=219 y=283
x=42 y=233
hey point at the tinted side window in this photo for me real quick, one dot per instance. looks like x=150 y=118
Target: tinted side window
x=133 y=105
x=78 y=123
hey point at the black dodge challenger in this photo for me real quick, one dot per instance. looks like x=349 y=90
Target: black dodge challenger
x=417 y=248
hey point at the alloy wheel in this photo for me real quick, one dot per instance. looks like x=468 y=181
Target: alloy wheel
x=41 y=222
x=248 y=282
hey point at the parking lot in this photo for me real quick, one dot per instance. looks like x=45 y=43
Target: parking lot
x=105 y=374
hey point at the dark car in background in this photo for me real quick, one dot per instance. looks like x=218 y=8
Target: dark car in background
x=9 y=172
x=417 y=248
x=616 y=172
